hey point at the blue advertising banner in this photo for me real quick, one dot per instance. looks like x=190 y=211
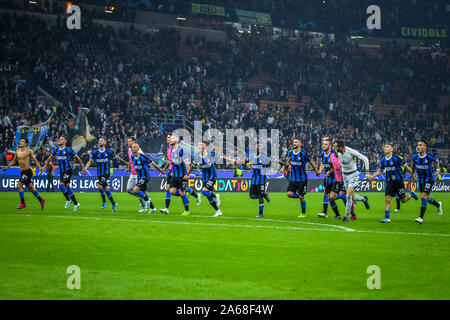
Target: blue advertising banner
x=78 y=183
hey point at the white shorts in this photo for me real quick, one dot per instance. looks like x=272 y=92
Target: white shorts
x=132 y=181
x=350 y=180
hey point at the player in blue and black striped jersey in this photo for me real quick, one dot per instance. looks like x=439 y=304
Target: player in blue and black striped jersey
x=423 y=163
x=181 y=170
x=141 y=163
x=65 y=156
x=205 y=161
x=394 y=179
x=103 y=157
x=259 y=164
x=298 y=179
x=329 y=180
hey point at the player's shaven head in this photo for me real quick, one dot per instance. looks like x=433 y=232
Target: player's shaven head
x=174 y=140
x=135 y=148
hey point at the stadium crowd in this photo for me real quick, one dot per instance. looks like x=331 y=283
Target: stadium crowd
x=128 y=79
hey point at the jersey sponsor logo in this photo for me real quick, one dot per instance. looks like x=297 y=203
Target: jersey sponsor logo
x=296 y=163
x=422 y=167
x=61 y=157
x=102 y=160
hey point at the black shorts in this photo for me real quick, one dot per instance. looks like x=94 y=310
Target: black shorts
x=103 y=180
x=328 y=187
x=178 y=183
x=426 y=186
x=257 y=190
x=209 y=184
x=142 y=185
x=66 y=176
x=25 y=177
x=298 y=186
x=395 y=187
x=338 y=187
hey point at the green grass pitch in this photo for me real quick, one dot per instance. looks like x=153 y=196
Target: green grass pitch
x=130 y=255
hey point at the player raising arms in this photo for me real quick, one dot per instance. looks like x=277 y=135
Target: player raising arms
x=206 y=162
x=141 y=162
x=103 y=157
x=394 y=179
x=180 y=173
x=298 y=179
x=423 y=162
x=347 y=157
x=64 y=155
x=23 y=156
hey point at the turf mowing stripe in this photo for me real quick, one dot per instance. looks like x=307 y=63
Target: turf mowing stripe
x=234 y=225
x=178 y=222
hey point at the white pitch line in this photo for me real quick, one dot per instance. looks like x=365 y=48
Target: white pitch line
x=256 y=219
x=233 y=225
x=178 y=222
x=274 y=220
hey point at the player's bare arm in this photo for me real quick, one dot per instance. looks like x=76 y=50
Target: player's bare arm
x=33 y=157
x=122 y=160
x=189 y=168
x=10 y=164
x=80 y=161
x=285 y=164
x=313 y=164
x=158 y=167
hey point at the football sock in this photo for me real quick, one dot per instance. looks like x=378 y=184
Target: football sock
x=72 y=196
x=110 y=197
x=387 y=213
x=102 y=193
x=433 y=202
x=22 y=197
x=423 y=207
x=64 y=191
x=303 y=206
x=36 y=194
x=185 y=201
x=398 y=203
x=334 y=206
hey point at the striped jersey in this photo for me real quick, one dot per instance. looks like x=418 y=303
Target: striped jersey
x=103 y=160
x=259 y=168
x=393 y=166
x=178 y=156
x=424 y=166
x=64 y=157
x=207 y=165
x=141 y=164
x=326 y=161
x=298 y=163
